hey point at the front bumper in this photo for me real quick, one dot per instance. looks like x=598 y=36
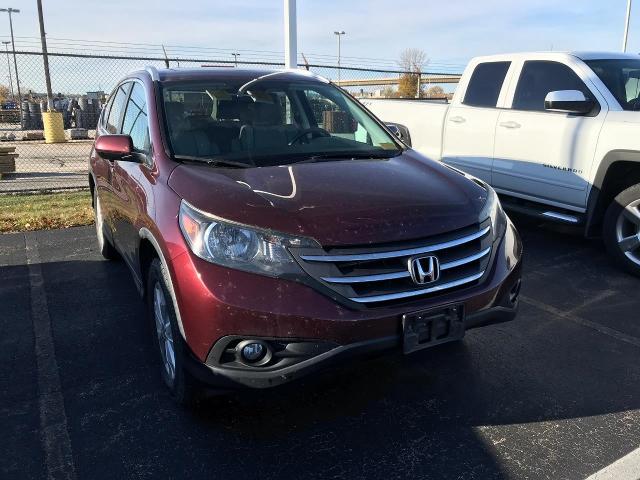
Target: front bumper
x=236 y=378
x=255 y=307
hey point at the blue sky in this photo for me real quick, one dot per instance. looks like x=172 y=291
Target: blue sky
x=450 y=32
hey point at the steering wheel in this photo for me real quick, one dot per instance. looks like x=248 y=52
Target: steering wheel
x=313 y=131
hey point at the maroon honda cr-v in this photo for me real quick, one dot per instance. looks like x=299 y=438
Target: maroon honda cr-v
x=274 y=226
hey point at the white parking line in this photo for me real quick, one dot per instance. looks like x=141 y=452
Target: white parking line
x=623 y=337
x=53 y=419
x=627 y=468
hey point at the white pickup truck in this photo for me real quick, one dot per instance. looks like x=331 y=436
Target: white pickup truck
x=556 y=134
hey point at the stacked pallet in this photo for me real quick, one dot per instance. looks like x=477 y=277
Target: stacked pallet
x=7 y=160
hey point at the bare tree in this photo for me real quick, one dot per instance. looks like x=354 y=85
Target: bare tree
x=435 y=91
x=412 y=61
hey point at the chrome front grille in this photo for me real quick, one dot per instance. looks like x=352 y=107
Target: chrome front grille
x=379 y=275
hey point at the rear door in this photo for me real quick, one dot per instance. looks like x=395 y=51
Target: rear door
x=541 y=155
x=470 y=125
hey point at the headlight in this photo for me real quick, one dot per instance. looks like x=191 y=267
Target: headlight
x=237 y=246
x=493 y=210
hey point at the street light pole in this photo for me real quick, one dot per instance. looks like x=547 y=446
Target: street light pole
x=339 y=35
x=6 y=47
x=13 y=47
x=626 y=27
x=235 y=57
x=45 y=58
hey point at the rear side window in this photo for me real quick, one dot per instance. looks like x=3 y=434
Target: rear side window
x=485 y=84
x=105 y=112
x=538 y=78
x=115 y=113
x=135 y=121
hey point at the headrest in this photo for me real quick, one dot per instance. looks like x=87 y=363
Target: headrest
x=267 y=114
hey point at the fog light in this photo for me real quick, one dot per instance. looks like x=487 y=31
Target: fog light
x=252 y=352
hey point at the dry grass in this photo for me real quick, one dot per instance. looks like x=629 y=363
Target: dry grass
x=19 y=213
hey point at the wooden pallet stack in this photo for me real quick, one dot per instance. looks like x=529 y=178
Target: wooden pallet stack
x=7 y=160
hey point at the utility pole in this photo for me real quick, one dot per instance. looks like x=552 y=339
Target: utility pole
x=339 y=34
x=6 y=47
x=626 y=27
x=45 y=58
x=290 y=35
x=13 y=47
x=235 y=58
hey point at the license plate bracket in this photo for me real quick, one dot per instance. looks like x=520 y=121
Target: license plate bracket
x=432 y=327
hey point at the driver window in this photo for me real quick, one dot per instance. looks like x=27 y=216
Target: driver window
x=538 y=78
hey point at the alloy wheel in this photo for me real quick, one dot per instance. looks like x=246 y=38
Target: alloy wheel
x=628 y=231
x=163 y=330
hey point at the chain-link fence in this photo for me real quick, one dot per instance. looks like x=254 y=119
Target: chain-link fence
x=81 y=84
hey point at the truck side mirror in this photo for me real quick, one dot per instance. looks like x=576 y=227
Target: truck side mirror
x=400 y=131
x=568 y=101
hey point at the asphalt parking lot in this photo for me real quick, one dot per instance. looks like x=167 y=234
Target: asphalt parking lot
x=555 y=394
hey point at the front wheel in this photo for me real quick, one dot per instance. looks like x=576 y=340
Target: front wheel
x=622 y=229
x=171 y=346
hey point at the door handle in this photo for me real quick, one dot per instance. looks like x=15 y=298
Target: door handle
x=457 y=119
x=510 y=125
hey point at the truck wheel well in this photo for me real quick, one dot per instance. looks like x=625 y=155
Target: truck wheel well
x=620 y=176
x=147 y=253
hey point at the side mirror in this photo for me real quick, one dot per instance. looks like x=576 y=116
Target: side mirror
x=568 y=101
x=115 y=147
x=400 y=131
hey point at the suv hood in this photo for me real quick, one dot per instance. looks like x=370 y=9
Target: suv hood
x=338 y=203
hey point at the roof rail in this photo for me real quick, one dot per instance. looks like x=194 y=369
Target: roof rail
x=153 y=71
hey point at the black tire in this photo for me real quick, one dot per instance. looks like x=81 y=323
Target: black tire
x=621 y=222
x=106 y=249
x=185 y=390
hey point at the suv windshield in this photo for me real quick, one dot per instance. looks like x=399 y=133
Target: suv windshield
x=269 y=122
x=622 y=78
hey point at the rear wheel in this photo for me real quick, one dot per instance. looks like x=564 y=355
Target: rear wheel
x=172 y=349
x=622 y=229
x=106 y=249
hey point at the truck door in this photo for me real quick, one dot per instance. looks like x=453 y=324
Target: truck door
x=541 y=155
x=470 y=124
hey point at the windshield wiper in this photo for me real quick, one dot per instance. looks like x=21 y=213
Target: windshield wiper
x=214 y=162
x=326 y=157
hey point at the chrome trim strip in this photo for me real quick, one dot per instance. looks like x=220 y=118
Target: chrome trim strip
x=413 y=293
x=396 y=275
x=561 y=216
x=464 y=261
x=367 y=278
x=396 y=253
